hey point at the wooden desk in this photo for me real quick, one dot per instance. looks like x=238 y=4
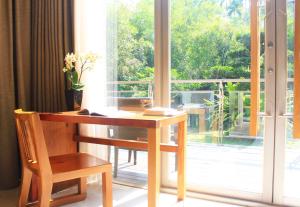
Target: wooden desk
x=153 y=125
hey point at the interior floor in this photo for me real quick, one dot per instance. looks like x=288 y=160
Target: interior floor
x=123 y=196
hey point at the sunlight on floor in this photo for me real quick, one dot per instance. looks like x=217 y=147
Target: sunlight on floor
x=124 y=196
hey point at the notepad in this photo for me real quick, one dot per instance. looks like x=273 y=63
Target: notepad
x=107 y=112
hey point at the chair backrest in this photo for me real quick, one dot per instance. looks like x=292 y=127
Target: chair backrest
x=131 y=104
x=31 y=142
x=197 y=98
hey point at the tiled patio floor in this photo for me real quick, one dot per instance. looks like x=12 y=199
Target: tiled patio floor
x=234 y=167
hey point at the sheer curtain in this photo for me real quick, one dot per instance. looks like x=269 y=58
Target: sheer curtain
x=93 y=34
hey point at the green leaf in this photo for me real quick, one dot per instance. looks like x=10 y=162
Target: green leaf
x=74 y=77
x=77 y=86
x=69 y=77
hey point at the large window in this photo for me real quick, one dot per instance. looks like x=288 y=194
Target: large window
x=211 y=80
x=220 y=61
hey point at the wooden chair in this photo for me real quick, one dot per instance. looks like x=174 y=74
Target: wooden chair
x=55 y=169
x=128 y=104
x=129 y=133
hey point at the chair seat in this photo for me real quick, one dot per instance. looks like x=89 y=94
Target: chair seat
x=77 y=164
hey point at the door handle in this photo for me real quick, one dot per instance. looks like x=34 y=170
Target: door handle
x=266 y=115
x=286 y=115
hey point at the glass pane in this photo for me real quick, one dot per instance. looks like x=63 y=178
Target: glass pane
x=210 y=67
x=132 y=32
x=292 y=149
x=131 y=46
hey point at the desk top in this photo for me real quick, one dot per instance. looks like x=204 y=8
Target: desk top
x=134 y=119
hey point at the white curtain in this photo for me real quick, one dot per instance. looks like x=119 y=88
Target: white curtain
x=91 y=36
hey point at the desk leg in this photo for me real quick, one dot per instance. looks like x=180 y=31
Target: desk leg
x=181 y=178
x=82 y=185
x=153 y=166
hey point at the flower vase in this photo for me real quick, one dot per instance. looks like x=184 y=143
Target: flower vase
x=70 y=99
x=77 y=99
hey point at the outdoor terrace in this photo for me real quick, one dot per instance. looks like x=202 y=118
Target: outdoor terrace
x=223 y=157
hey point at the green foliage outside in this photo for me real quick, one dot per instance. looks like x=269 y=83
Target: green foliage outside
x=210 y=39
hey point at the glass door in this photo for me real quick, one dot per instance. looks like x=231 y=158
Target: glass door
x=287 y=154
x=130 y=66
x=220 y=61
x=222 y=73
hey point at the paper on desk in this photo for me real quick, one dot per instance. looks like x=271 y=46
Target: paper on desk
x=113 y=112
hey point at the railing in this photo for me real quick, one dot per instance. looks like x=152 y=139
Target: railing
x=241 y=97
x=150 y=83
x=149 y=93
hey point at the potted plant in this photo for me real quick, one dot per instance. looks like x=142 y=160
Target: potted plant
x=75 y=66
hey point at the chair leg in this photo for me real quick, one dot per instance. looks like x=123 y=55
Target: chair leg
x=116 y=162
x=107 y=189
x=134 y=156
x=25 y=186
x=45 y=192
x=129 y=155
x=108 y=153
x=176 y=164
